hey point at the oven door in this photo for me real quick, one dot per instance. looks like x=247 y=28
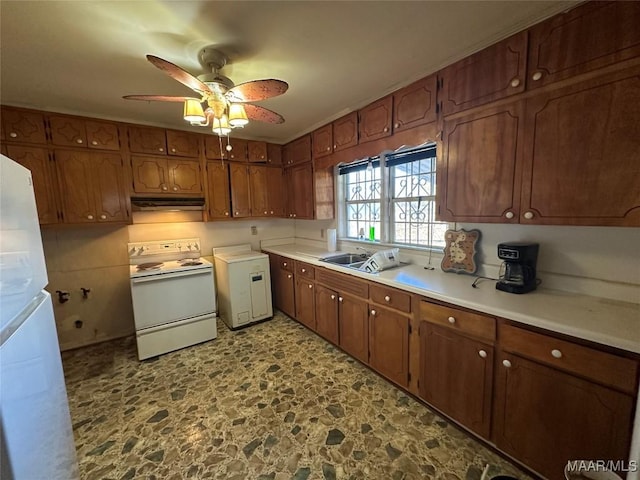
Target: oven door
x=169 y=297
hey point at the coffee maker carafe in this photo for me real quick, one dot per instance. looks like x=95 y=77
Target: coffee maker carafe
x=518 y=269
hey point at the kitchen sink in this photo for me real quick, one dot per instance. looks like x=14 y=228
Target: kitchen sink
x=348 y=260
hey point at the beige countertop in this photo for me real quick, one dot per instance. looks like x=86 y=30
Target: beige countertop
x=608 y=322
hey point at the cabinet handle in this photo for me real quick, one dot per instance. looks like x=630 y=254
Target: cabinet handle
x=528 y=215
x=537 y=76
x=515 y=82
x=506 y=363
x=333 y=297
x=304 y=270
x=387 y=298
x=78 y=140
x=94 y=142
x=90 y=217
x=289 y=276
x=103 y=217
x=509 y=214
x=452 y=320
x=556 y=353
x=13 y=135
x=340 y=299
x=373 y=313
x=310 y=285
x=482 y=353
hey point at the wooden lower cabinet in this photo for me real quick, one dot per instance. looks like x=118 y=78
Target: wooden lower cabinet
x=283 y=286
x=456 y=376
x=545 y=417
x=327 y=313
x=305 y=302
x=353 y=315
x=389 y=344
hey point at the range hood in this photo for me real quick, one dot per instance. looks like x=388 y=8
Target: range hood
x=154 y=204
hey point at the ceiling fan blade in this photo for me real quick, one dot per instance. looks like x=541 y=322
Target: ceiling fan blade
x=261 y=114
x=257 y=90
x=159 y=98
x=178 y=74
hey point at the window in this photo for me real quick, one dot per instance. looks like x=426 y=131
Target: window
x=394 y=194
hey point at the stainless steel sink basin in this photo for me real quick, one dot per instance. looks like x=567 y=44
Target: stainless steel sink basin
x=347 y=259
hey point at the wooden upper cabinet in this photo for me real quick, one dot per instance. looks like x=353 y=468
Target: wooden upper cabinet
x=322 y=141
x=374 y=121
x=581 y=163
x=67 y=131
x=108 y=187
x=415 y=104
x=183 y=144
x=276 y=192
x=238 y=151
x=147 y=140
x=184 y=176
x=214 y=147
x=259 y=191
x=591 y=36
x=274 y=154
x=23 y=126
x=42 y=174
x=298 y=151
x=102 y=135
x=478 y=172
x=301 y=198
x=219 y=198
x=166 y=176
x=345 y=132
x=491 y=74
x=257 y=151
x=240 y=190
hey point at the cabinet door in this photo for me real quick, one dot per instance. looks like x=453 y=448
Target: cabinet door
x=238 y=151
x=590 y=36
x=102 y=135
x=327 y=313
x=67 y=131
x=493 y=73
x=108 y=187
x=389 y=344
x=456 y=376
x=219 y=200
x=20 y=126
x=258 y=191
x=256 y=151
x=322 y=141
x=374 y=121
x=147 y=140
x=184 y=176
x=37 y=160
x=300 y=150
x=76 y=185
x=305 y=302
x=415 y=105
x=354 y=327
x=150 y=175
x=274 y=154
x=301 y=188
x=478 y=174
x=544 y=417
x=345 y=132
x=581 y=162
x=214 y=147
x=240 y=191
x=276 y=192
x=285 y=292
x=183 y=144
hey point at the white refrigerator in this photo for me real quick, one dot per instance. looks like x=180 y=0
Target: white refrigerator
x=36 y=437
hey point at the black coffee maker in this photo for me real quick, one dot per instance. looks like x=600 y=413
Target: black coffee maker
x=518 y=269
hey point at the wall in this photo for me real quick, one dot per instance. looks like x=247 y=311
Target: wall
x=95 y=257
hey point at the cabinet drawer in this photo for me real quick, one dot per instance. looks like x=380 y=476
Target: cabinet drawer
x=605 y=368
x=286 y=264
x=304 y=270
x=343 y=283
x=391 y=298
x=465 y=322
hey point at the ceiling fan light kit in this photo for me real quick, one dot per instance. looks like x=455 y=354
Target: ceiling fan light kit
x=225 y=104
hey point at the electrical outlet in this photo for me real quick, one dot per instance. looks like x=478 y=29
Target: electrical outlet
x=254 y=230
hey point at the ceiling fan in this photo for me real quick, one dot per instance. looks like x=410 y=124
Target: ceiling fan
x=226 y=105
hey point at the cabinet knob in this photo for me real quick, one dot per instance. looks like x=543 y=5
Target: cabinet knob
x=226 y=213
x=506 y=363
x=340 y=299
x=165 y=188
x=103 y=217
x=385 y=129
x=13 y=135
x=482 y=353
x=396 y=125
x=289 y=276
x=304 y=270
x=537 y=76
x=284 y=264
x=294 y=215
x=271 y=212
x=94 y=142
x=509 y=214
x=90 y=217
x=173 y=150
x=333 y=297
x=160 y=149
x=78 y=140
x=451 y=320
x=556 y=353
x=373 y=313
x=328 y=149
x=261 y=157
x=528 y=215
x=310 y=285
x=237 y=213
x=335 y=146
x=387 y=298
x=175 y=189
x=515 y=82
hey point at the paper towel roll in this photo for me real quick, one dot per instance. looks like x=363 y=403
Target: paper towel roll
x=332 y=238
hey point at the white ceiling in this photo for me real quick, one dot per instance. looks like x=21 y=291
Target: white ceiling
x=81 y=57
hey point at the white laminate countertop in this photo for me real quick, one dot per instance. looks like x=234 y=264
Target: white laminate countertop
x=608 y=322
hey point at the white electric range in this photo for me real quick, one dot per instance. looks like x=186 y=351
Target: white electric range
x=173 y=293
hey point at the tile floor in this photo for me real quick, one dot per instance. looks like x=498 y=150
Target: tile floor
x=272 y=401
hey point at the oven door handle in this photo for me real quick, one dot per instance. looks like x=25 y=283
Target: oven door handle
x=167 y=276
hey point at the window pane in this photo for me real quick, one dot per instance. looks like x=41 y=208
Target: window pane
x=363 y=185
x=361 y=216
x=363 y=192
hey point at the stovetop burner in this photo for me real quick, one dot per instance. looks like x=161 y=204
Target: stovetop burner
x=192 y=263
x=150 y=266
